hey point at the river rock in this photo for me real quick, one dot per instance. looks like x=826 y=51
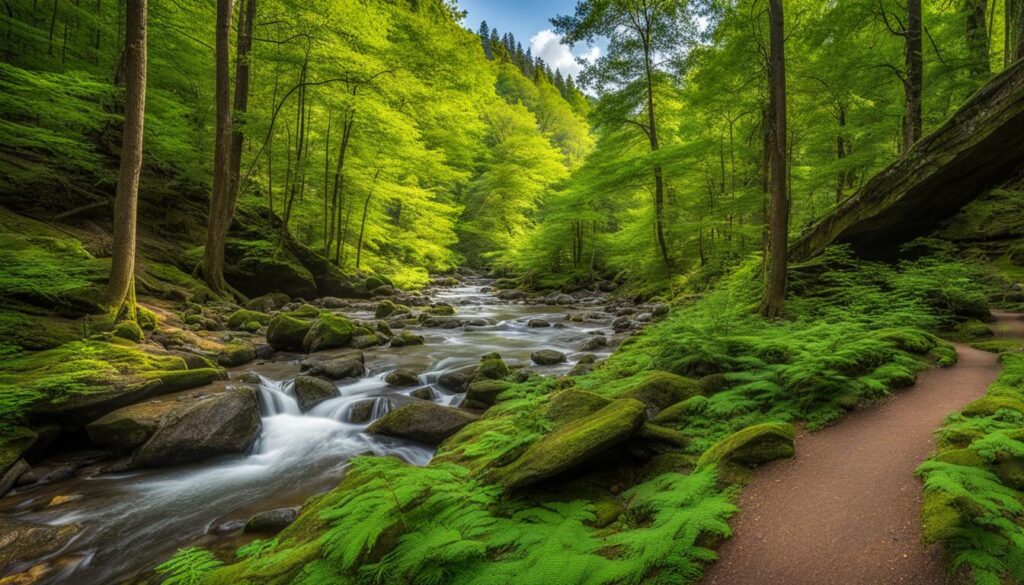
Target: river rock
x=236 y=353
x=287 y=332
x=27 y=541
x=492 y=368
x=594 y=343
x=423 y=393
x=333 y=303
x=425 y=422
x=538 y=323
x=443 y=322
x=573 y=443
x=457 y=380
x=272 y=521
x=404 y=338
x=337 y=368
x=310 y=391
x=268 y=302
x=402 y=377
x=366 y=341
x=547 y=357
x=484 y=393
x=48 y=473
x=388 y=308
x=329 y=331
x=11 y=475
x=125 y=429
x=361 y=411
x=512 y=295
x=225 y=423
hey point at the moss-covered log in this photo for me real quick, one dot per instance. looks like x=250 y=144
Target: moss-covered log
x=980 y=147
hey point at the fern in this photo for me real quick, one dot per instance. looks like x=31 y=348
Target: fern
x=188 y=566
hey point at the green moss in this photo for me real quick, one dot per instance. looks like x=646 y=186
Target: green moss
x=965 y=457
x=492 y=369
x=573 y=443
x=286 y=332
x=973 y=329
x=22 y=331
x=998 y=345
x=441 y=309
x=129 y=330
x=659 y=390
x=387 y=308
x=240 y=318
x=236 y=353
x=329 y=331
x=990 y=405
x=571 y=404
x=753 y=445
x=940 y=518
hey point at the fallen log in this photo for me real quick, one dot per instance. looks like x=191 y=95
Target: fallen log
x=979 y=147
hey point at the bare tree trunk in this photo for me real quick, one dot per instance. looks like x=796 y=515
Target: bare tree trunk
x=120 y=295
x=243 y=67
x=220 y=221
x=976 y=35
x=841 y=176
x=659 y=181
x=362 y=224
x=1014 y=46
x=914 y=75
x=775 y=283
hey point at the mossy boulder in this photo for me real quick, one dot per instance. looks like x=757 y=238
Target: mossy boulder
x=753 y=445
x=129 y=330
x=374 y=282
x=422 y=421
x=288 y=333
x=547 y=357
x=236 y=353
x=441 y=309
x=492 y=369
x=659 y=390
x=329 y=331
x=305 y=311
x=255 y=267
x=457 y=380
x=388 y=308
x=944 y=515
x=572 y=444
x=402 y=377
x=242 y=317
x=989 y=405
x=223 y=424
x=128 y=428
x=311 y=391
x=484 y=393
x=268 y=302
x=1011 y=472
x=680 y=411
x=337 y=368
x=571 y=404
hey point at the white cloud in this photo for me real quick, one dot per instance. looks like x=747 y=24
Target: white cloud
x=548 y=46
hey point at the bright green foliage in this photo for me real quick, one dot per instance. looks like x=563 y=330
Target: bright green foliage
x=188 y=566
x=973 y=503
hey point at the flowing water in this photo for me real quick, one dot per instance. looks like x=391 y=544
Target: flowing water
x=132 y=521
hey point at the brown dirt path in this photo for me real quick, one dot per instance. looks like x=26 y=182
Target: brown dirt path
x=845 y=509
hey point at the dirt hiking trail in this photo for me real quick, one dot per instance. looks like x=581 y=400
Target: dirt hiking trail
x=845 y=509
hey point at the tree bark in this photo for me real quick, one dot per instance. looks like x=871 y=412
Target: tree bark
x=659 y=181
x=914 y=75
x=243 y=67
x=976 y=35
x=120 y=294
x=1014 y=47
x=219 y=220
x=775 y=282
x=362 y=224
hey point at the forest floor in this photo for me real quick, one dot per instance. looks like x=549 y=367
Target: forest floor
x=846 y=509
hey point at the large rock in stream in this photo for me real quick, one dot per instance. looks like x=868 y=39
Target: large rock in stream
x=310 y=391
x=223 y=424
x=422 y=421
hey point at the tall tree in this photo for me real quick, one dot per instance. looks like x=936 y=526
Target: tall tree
x=120 y=296
x=778 y=242
x=976 y=35
x=241 y=101
x=219 y=220
x=485 y=39
x=914 y=81
x=641 y=35
x=1014 y=32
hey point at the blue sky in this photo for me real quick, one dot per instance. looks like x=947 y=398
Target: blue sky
x=528 y=21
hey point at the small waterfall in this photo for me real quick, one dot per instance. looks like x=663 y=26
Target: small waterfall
x=381 y=406
x=277 y=397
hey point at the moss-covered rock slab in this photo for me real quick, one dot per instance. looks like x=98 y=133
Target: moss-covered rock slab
x=424 y=422
x=310 y=391
x=659 y=390
x=753 y=445
x=288 y=333
x=572 y=444
x=329 y=331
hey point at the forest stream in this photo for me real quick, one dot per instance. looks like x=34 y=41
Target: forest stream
x=154 y=512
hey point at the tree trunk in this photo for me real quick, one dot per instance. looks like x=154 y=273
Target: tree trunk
x=659 y=181
x=976 y=36
x=841 y=176
x=337 y=197
x=243 y=67
x=914 y=75
x=775 y=282
x=362 y=224
x=1014 y=47
x=120 y=295
x=220 y=220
